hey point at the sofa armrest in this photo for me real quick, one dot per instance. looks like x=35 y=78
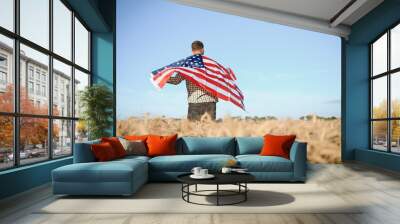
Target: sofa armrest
x=298 y=155
x=83 y=152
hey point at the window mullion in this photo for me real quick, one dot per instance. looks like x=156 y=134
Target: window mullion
x=16 y=84
x=73 y=81
x=389 y=101
x=18 y=73
x=50 y=81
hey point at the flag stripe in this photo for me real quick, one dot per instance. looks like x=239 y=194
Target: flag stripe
x=202 y=77
x=205 y=73
x=229 y=82
x=209 y=87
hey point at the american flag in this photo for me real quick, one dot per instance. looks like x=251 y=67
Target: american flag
x=205 y=73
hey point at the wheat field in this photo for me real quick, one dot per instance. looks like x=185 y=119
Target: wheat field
x=322 y=136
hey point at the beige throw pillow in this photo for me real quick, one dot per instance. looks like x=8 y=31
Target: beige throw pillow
x=137 y=148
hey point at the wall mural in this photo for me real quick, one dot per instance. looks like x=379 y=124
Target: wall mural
x=201 y=73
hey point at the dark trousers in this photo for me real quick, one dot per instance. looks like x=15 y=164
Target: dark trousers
x=196 y=110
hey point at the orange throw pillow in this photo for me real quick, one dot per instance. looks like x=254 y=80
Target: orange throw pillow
x=275 y=145
x=161 y=145
x=116 y=145
x=103 y=152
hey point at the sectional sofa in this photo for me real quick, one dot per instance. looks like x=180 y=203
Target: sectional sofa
x=125 y=176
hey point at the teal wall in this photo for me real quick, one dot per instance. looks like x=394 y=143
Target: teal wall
x=103 y=63
x=355 y=96
x=24 y=178
x=99 y=16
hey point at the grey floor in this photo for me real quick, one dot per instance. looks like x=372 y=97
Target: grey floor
x=378 y=189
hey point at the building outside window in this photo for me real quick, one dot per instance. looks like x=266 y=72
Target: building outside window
x=43 y=90
x=3 y=78
x=34 y=75
x=3 y=72
x=43 y=77
x=37 y=74
x=30 y=72
x=30 y=87
x=3 y=61
x=38 y=89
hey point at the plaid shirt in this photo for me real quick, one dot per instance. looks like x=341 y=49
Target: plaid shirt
x=195 y=93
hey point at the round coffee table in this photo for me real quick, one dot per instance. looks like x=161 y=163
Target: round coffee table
x=238 y=179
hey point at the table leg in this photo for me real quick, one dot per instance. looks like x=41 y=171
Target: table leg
x=217 y=194
x=182 y=189
x=195 y=188
x=188 y=190
x=245 y=193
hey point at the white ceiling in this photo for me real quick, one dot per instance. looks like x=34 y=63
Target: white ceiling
x=316 y=15
x=320 y=9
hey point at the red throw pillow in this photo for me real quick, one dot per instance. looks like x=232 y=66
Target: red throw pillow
x=103 y=152
x=161 y=145
x=277 y=145
x=116 y=145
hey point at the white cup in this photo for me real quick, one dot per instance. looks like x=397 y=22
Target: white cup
x=196 y=171
x=203 y=172
x=226 y=170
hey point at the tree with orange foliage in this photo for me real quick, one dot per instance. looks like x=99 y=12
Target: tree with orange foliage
x=33 y=130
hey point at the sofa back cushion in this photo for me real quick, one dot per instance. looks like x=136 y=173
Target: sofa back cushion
x=206 y=145
x=249 y=145
x=83 y=152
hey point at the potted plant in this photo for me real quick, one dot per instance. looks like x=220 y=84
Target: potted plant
x=96 y=103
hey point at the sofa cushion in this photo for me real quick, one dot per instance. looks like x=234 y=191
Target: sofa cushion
x=257 y=163
x=133 y=158
x=249 y=145
x=185 y=163
x=112 y=171
x=206 y=145
x=83 y=152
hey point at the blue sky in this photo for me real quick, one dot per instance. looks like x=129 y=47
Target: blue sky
x=282 y=71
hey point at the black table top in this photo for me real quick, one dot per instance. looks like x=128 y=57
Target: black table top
x=220 y=178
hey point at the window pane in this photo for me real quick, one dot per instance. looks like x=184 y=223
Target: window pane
x=62 y=29
x=395 y=94
x=7 y=14
x=62 y=89
x=6 y=74
x=62 y=138
x=6 y=142
x=81 y=82
x=81 y=131
x=379 y=97
x=33 y=140
x=379 y=135
x=395 y=47
x=395 y=136
x=81 y=45
x=34 y=97
x=35 y=21
x=379 y=55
